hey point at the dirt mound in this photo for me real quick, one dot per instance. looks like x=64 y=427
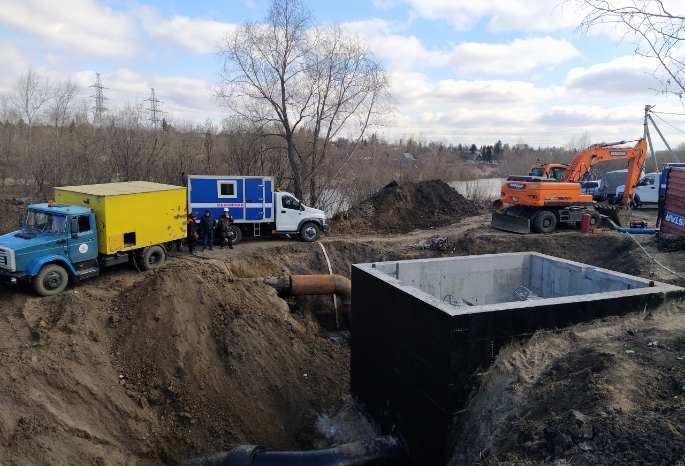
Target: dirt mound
x=9 y=210
x=404 y=208
x=609 y=393
x=203 y=351
x=159 y=367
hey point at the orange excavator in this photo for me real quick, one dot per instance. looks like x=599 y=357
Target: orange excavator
x=540 y=203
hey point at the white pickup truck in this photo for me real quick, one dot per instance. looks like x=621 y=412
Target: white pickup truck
x=646 y=190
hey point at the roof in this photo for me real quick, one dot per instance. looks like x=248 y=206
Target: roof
x=113 y=189
x=63 y=208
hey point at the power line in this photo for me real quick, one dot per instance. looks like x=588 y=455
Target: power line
x=677 y=129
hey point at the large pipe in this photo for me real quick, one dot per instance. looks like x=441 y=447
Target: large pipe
x=304 y=285
x=381 y=450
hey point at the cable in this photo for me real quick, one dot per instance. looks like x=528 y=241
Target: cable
x=654 y=260
x=678 y=129
x=668 y=113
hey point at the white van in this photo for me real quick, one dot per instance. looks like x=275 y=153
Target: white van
x=646 y=191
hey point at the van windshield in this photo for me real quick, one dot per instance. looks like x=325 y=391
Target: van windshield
x=47 y=222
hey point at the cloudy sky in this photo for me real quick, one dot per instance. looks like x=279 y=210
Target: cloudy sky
x=470 y=71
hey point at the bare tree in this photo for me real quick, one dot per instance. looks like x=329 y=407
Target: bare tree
x=658 y=34
x=29 y=94
x=308 y=83
x=59 y=112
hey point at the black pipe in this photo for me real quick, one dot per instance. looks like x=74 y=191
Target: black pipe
x=388 y=450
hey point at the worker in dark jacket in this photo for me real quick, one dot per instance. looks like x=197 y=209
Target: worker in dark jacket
x=207 y=225
x=224 y=227
x=192 y=233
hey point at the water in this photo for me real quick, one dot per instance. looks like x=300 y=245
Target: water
x=485 y=188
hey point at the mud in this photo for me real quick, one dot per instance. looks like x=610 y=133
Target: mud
x=198 y=356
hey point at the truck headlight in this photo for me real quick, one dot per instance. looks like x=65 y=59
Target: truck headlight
x=515 y=198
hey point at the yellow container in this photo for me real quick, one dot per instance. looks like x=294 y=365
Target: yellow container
x=131 y=215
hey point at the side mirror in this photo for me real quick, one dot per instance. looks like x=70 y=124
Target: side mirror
x=74 y=228
x=301 y=208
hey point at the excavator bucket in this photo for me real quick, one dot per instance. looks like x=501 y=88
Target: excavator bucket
x=619 y=215
x=510 y=223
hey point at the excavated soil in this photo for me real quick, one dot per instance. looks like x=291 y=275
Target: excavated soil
x=404 y=208
x=198 y=356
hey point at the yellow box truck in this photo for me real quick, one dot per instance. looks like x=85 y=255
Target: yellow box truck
x=91 y=227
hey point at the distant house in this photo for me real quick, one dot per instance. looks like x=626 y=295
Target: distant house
x=408 y=156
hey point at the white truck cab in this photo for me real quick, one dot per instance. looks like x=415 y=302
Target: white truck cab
x=646 y=190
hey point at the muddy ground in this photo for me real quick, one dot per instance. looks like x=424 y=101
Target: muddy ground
x=198 y=356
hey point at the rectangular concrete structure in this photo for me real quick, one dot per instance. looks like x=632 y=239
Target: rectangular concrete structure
x=415 y=355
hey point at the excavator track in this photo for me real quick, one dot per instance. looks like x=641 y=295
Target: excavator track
x=618 y=214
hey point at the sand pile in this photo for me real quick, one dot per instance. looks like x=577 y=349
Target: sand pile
x=404 y=208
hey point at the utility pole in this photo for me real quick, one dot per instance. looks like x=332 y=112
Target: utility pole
x=153 y=108
x=99 y=100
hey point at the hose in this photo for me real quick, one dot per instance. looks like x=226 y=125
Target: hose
x=388 y=449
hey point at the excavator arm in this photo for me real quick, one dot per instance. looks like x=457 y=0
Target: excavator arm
x=585 y=159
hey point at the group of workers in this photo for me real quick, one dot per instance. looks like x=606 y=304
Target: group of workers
x=206 y=227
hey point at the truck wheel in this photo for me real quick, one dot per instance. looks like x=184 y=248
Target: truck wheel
x=236 y=234
x=544 y=222
x=153 y=257
x=309 y=232
x=51 y=280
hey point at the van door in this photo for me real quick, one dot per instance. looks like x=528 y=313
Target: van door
x=82 y=244
x=255 y=202
x=648 y=188
x=289 y=213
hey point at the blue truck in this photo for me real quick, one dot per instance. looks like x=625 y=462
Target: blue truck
x=257 y=207
x=88 y=228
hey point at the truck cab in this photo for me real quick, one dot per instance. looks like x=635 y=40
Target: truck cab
x=56 y=240
x=292 y=216
x=646 y=190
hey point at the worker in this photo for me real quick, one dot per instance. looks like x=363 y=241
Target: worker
x=207 y=225
x=224 y=226
x=192 y=233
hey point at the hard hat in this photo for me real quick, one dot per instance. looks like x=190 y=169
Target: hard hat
x=225 y=209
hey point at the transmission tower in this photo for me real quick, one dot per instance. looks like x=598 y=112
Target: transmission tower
x=153 y=108
x=99 y=100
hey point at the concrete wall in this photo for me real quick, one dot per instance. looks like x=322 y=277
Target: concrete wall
x=492 y=278
x=414 y=357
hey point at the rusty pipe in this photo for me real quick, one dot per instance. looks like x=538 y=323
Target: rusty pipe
x=303 y=285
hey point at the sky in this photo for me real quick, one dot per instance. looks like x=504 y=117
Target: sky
x=462 y=71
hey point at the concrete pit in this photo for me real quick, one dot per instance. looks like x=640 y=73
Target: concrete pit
x=424 y=329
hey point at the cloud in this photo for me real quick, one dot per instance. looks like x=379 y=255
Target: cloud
x=415 y=91
x=627 y=75
x=527 y=15
x=408 y=53
x=82 y=26
x=518 y=56
x=15 y=63
x=198 y=36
